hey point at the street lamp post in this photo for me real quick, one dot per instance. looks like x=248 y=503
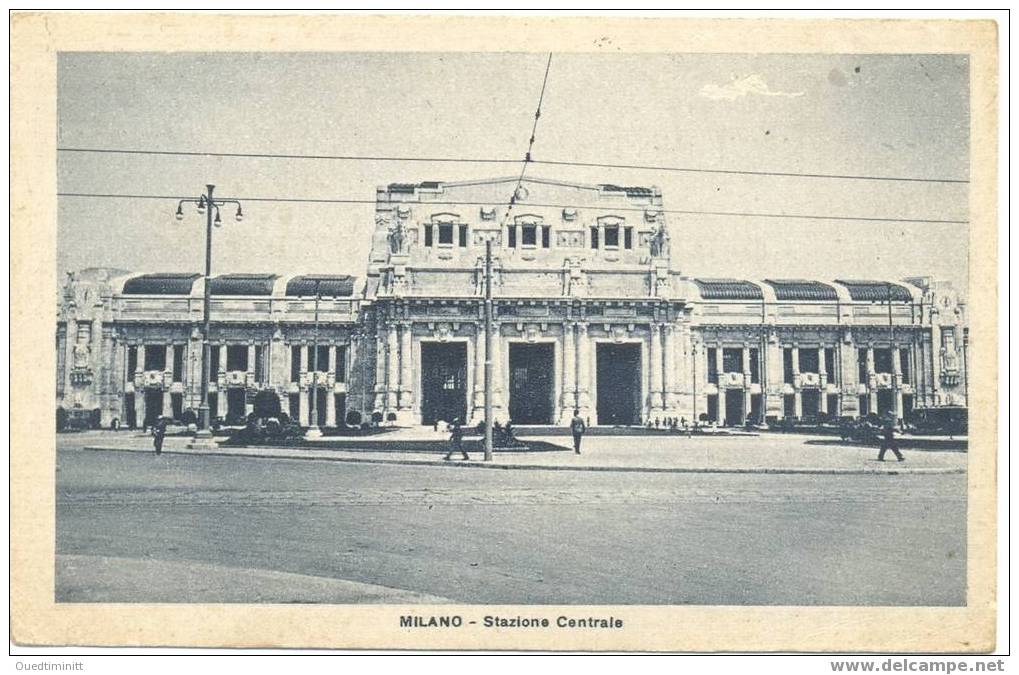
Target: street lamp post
x=313 y=430
x=207 y=205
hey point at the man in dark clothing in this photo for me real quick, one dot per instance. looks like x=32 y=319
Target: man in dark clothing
x=578 y=428
x=158 y=433
x=456 y=440
x=888 y=443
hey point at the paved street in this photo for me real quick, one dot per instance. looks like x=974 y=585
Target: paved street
x=136 y=527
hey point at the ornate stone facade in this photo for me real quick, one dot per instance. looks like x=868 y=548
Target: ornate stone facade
x=589 y=311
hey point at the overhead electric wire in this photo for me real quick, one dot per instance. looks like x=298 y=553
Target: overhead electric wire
x=530 y=144
x=740 y=214
x=547 y=162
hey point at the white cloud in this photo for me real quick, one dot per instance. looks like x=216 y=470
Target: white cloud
x=738 y=87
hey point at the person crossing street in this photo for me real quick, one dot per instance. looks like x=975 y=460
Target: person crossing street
x=456 y=440
x=578 y=427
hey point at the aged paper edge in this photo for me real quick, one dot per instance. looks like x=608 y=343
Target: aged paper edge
x=37 y=620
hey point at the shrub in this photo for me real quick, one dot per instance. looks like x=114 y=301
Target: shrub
x=61 y=418
x=353 y=418
x=266 y=404
x=377 y=417
x=391 y=417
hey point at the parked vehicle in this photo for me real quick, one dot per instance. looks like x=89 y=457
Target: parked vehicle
x=950 y=420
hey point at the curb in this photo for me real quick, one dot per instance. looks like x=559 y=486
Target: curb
x=542 y=467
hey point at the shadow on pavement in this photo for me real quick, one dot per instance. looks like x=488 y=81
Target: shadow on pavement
x=924 y=444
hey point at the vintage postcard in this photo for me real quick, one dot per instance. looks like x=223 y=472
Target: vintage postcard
x=503 y=333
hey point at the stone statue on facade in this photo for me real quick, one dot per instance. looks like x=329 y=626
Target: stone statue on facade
x=398 y=238
x=80 y=355
x=660 y=242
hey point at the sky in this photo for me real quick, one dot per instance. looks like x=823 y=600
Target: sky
x=876 y=115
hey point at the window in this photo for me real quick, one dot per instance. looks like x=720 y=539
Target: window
x=787 y=365
x=428 y=235
x=132 y=360
x=295 y=363
x=810 y=361
x=594 y=237
x=178 y=363
x=882 y=360
x=611 y=236
x=237 y=357
x=861 y=365
x=829 y=363
x=546 y=236
x=321 y=359
x=445 y=234
x=529 y=235
x=214 y=363
x=628 y=237
x=511 y=240
x=904 y=363
x=155 y=357
x=755 y=366
x=948 y=339
x=732 y=359
x=463 y=236
x=712 y=356
x=341 y=363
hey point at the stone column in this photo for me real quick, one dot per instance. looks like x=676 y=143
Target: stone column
x=222 y=359
x=583 y=370
x=380 y=372
x=406 y=368
x=569 y=373
x=479 y=374
x=71 y=338
x=393 y=367
x=139 y=361
x=797 y=385
x=747 y=408
x=897 y=381
x=822 y=377
x=499 y=413
x=167 y=396
x=871 y=380
x=139 y=408
x=720 y=369
x=330 y=403
x=846 y=354
x=279 y=364
x=655 y=356
x=671 y=362
x=285 y=402
x=305 y=398
x=774 y=384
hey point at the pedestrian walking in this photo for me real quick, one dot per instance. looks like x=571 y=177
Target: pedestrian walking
x=578 y=428
x=456 y=440
x=888 y=442
x=158 y=433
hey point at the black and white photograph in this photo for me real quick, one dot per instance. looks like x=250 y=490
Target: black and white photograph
x=594 y=329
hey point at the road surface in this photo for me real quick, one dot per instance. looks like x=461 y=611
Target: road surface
x=136 y=528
